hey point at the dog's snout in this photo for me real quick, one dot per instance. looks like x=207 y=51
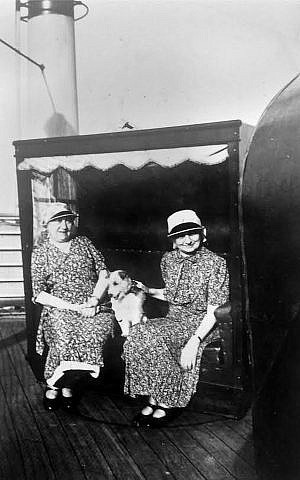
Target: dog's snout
x=122 y=274
x=113 y=289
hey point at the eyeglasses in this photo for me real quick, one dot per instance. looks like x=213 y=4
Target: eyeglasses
x=190 y=236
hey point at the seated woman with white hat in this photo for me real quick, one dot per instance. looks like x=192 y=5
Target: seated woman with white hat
x=66 y=270
x=162 y=357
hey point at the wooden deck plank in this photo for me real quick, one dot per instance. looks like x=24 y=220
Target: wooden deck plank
x=199 y=456
x=14 y=353
x=91 y=468
x=122 y=466
x=241 y=427
x=63 y=457
x=88 y=450
x=18 y=328
x=234 y=463
x=243 y=447
x=71 y=443
x=176 y=462
x=34 y=453
x=145 y=458
x=64 y=454
x=208 y=467
x=43 y=442
x=10 y=447
x=32 y=449
x=116 y=454
x=27 y=393
x=6 y=366
x=225 y=455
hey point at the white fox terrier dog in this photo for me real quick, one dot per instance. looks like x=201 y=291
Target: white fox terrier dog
x=127 y=300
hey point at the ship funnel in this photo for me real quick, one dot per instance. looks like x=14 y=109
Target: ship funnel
x=52 y=103
x=51 y=90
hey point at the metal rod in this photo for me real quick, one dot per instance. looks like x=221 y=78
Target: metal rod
x=49 y=92
x=40 y=65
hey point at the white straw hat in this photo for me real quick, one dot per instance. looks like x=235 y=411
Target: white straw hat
x=183 y=221
x=57 y=210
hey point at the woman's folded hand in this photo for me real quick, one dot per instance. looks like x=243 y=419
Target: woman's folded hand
x=92 y=301
x=86 y=310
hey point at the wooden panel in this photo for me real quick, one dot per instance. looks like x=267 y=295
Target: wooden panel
x=8 y=272
x=13 y=257
x=9 y=228
x=10 y=242
x=11 y=289
x=169 y=137
x=25 y=212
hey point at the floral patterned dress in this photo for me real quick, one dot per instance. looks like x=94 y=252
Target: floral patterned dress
x=152 y=350
x=71 y=338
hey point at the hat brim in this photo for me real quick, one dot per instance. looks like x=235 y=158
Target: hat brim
x=179 y=233
x=61 y=215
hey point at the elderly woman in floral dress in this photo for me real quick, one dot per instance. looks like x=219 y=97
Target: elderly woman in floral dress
x=66 y=270
x=163 y=356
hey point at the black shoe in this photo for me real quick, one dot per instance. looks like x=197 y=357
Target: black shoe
x=51 y=404
x=160 y=422
x=69 y=403
x=141 y=420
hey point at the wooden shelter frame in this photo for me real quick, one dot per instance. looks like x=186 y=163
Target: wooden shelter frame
x=216 y=133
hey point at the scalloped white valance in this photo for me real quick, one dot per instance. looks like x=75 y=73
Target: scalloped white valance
x=209 y=155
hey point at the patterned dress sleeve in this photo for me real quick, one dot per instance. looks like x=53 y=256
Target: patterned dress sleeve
x=163 y=267
x=165 y=273
x=218 y=285
x=98 y=258
x=39 y=271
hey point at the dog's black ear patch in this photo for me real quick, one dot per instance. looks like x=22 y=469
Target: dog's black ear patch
x=123 y=274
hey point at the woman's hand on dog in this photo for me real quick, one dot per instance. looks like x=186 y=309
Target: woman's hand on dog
x=141 y=286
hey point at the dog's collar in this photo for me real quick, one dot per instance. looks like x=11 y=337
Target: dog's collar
x=134 y=288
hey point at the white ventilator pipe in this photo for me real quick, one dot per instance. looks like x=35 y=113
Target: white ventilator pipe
x=52 y=108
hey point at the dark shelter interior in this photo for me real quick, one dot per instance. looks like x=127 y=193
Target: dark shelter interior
x=123 y=210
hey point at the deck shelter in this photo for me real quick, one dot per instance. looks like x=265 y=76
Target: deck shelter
x=124 y=185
